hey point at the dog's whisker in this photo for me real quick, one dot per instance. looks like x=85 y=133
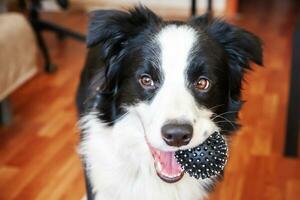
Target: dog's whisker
x=223 y=114
x=216 y=106
x=230 y=122
x=224 y=121
x=225 y=130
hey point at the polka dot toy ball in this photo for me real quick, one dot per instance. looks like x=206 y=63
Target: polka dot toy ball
x=206 y=160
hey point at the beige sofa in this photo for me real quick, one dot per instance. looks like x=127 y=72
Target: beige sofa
x=17 y=57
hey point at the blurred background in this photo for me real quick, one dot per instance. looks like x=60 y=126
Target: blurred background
x=42 y=51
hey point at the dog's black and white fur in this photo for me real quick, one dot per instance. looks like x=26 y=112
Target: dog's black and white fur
x=142 y=73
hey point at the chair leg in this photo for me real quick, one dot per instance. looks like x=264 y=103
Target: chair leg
x=5 y=112
x=34 y=20
x=48 y=66
x=193 y=7
x=40 y=25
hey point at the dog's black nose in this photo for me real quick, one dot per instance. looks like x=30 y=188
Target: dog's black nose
x=177 y=134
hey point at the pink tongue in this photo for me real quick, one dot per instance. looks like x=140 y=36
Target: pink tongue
x=169 y=163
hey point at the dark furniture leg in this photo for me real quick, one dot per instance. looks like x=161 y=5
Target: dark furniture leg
x=40 y=25
x=48 y=66
x=194 y=7
x=293 y=120
x=5 y=112
x=209 y=6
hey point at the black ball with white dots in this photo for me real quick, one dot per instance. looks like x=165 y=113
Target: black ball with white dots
x=206 y=160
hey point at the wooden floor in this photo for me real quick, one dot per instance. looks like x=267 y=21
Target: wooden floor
x=38 y=157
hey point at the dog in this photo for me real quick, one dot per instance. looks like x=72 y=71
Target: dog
x=150 y=88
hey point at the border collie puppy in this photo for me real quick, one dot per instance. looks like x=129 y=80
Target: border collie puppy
x=151 y=87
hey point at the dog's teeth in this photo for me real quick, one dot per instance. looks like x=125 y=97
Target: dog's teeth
x=158 y=166
x=170 y=176
x=177 y=174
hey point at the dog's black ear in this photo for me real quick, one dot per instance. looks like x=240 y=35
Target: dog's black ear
x=240 y=46
x=112 y=29
x=118 y=26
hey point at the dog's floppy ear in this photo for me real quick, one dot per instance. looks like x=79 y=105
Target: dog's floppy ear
x=113 y=29
x=118 y=26
x=240 y=46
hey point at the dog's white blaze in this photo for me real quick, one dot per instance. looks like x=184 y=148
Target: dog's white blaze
x=176 y=43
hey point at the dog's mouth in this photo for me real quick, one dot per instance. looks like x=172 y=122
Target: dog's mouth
x=166 y=165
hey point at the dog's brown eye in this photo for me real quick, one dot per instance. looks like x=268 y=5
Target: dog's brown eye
x=202 y=84
x=147 y=82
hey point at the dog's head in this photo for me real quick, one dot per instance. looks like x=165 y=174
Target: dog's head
x=183 y=79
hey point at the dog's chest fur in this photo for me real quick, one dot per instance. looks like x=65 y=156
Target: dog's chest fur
x=124 y=169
